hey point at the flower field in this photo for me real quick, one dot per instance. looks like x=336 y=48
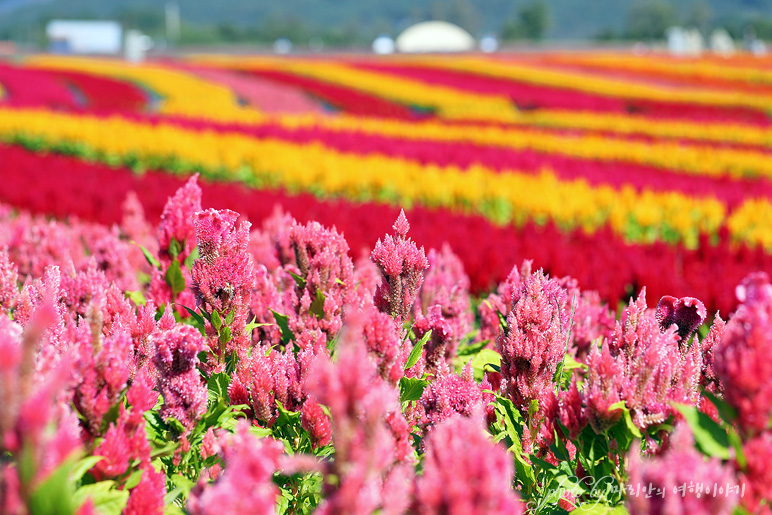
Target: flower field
x=440 y=305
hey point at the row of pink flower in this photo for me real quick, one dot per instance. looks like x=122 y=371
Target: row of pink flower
x=532 y=96
x=601 y=261
x=77 y=345
x=267 y=96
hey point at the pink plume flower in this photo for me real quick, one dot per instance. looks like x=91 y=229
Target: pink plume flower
x=223 y=276
x=757 y=475
x=743 y=358
x=9 y=282
x=446 y=285
x=179 y=381
x=317 y=423
x=246 y=485
x=687 y=313
x=501 y=302
x=535 y=341
x=402 y=265
x=449 y=394
x=177 y=222
x=147 y=498
x=465 y=473
x=441 y=345
x=680 y=464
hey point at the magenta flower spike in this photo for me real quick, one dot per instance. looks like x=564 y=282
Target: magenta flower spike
x=402 y=265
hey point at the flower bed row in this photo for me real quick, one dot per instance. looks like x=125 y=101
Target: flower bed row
x=601 y=261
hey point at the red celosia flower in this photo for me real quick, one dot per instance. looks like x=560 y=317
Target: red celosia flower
x=687 y=313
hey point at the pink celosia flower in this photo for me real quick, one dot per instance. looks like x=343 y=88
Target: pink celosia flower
x=643 y=367
x=681 y=464
x=501 y=302
x=441 y=344
x=464 y=472
x=270 y=246
x=179 y=381
x=147 y=498
x=9 y=277
x=744 y=357
x=449 y=394
x=367 y=432
x=757 y=475
x=223 y=276
x=709 y=378
x=402 y=265
x=535 y=341
x=317 y=423
x=446 y=285
x=246 y=485
x=384 y=343
x=177 y=222
x=687 y=313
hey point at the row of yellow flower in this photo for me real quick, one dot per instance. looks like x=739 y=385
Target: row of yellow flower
x=182 y=93
x=692 y=159
x=531 y=72
x=449 y=102
x=504 y=197
x=186 y=94
x=535 y=73
x=700 y=68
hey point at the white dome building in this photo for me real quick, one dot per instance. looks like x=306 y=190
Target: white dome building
x=435 y=36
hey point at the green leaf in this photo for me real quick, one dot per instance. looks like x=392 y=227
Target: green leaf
x=84 y=465
x=317 y=306
x=231 y=316
x=136 y=297
x=133 y=479
x=107 y=500
x=54 y=495
x=415 y=354
x=252 y=326
x=632 y=428
x=283 y=322
x=225 y=335
x=487 y=359
x=151 y=259
x=174 y=248
x=218 y=385
x=592 y=508
x=533 y=408
x=191 y=258
x=711 y=438
x=411 y=389
x=198 y=318
x=471 y=349
x=216 y=321
x=299 y=280
x=725 y=411
x=175 y=279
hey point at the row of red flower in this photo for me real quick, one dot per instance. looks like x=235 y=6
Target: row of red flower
x=600 y=261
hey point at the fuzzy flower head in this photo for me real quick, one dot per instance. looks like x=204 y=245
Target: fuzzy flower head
x=441 y=345
x=9 y=288
x=402 y=265
x=177 y=221
x=179 y=381
x=680 y=464
x=743 y=358
x=465 y=473
x=223 y=276
x=246 y=486
x=687 y=313
x=535 y=341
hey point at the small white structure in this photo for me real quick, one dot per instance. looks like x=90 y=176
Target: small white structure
x=684 y=42
x=137 y=46
x=489 y=43
x=282 y=46
x=435 y=36
x=383 y=45
x=84 y=37
x=721 y=43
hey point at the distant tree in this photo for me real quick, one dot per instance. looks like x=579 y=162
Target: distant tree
x=700 y=16
x=531 y=22
x=649 y=19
